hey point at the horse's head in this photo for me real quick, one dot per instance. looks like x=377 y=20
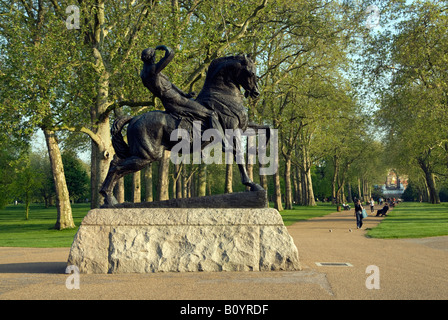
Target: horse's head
x=246 y=76
x=239 y=70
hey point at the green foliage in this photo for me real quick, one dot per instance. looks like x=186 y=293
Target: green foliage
x=9 y=157
x=73 y=79
x=28 y=180
x=443 y=194
x=78 y=182
x=411 y=193
x=322 y=177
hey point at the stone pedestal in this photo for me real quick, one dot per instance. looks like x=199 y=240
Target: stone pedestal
x=144 y=240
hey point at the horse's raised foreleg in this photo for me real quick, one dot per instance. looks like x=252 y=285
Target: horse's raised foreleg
x=119 y=168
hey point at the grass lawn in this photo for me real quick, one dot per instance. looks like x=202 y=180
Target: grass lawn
x=413 y=220
x=38 y=230
x=306 y=212
x=407 y=220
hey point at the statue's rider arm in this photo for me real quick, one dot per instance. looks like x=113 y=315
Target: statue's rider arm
x=169 y=55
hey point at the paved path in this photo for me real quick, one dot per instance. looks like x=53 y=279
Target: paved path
x=408 y=269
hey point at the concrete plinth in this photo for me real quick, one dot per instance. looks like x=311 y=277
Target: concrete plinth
x=182 y=239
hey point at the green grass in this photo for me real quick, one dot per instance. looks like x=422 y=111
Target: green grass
x=413 y=220
x=407 y=220
x=38 y=230
x=300 y=213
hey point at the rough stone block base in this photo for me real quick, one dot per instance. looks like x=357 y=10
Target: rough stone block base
x=180 y=239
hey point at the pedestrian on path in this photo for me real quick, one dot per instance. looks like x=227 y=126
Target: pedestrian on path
x=372 y=204
x=358 y=213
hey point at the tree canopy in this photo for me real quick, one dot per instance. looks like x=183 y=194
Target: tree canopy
x=350 y=99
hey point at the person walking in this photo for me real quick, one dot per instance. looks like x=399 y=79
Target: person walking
x=358 y=213
x=372 y=204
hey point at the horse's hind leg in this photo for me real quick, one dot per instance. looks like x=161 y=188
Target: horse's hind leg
x=119 y=168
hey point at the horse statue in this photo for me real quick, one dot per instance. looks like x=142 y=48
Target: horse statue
x=148 y=135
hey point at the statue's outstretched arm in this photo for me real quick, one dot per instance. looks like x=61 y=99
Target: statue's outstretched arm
x=169 y=55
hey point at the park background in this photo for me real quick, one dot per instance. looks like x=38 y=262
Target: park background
x=357 y=94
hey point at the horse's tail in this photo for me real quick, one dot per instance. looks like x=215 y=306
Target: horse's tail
x=121 y=147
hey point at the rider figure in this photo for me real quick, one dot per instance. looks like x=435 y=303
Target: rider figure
x=173 y=99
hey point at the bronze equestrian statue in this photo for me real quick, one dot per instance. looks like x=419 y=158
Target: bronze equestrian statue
x=219 y=105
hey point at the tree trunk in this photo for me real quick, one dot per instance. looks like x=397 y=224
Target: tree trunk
x=278 y=192
x=163 y=185
x=147 y=174
x=194 y=184
x=349 y=191
x=288 y=189
x=64 y=209
x=229 y=178
x=102 y=150
x=119 y=190
x=334 y=181
x=184 y=181
x=295 y=186
x=433 y=195
x=100 y=156
x=309 y=193
x=27 y=206
x=299 y=191
x=264 y=180
x=209 y=186
x=425 y=193
x=94 y=196
x=249 y=161
x=178 y=181
x=136 y=186
x=359 y=189
x=365 y=189
x=310 y=201
x=202 y=180
x=189 y=187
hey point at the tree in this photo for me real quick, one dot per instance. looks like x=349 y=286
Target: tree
x=11 y=152
x=409 y=65
x=35 y=77
x=200 y=35
x=28 y=180
x=89 y=76
x=300 y=68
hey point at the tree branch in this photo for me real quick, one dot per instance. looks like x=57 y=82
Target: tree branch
x=218 y=51
x=85 y=130
x=120 y=104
